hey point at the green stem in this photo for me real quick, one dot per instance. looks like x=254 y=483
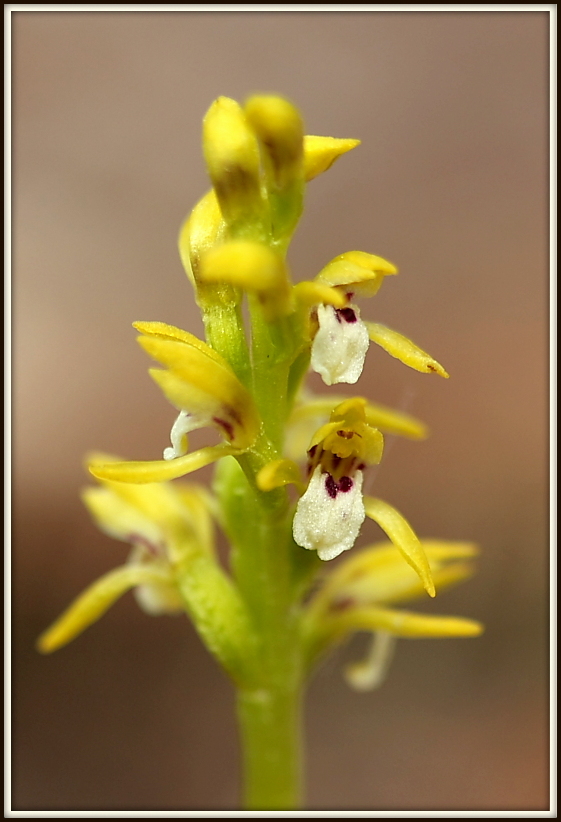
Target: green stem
x=269 y=722
x=258 y=526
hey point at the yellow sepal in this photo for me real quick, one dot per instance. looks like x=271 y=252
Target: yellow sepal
x=403 y=537
x=357 y=271
x=404 y=349
x=321 y=152
x=95 y=601
x=161 y=470
x=163 y=331
x=405 y=623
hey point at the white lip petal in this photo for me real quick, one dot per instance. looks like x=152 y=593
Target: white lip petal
x=340 y=345
x=328 y=519
x=184 y=423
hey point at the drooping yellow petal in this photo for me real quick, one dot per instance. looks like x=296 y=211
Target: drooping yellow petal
x=404 y=623
x=404 y=349
x=403 y=537
x=95 y=601
x=357 y=271
x=278 y=473
x=321 y=152
x=253 y=267
x=161 y=470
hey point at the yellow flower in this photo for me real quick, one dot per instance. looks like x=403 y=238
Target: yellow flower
x=165 y=525
x=360 y=594
x=331 y=508
x=201 y=384
x=341 y=340
x=330 y=513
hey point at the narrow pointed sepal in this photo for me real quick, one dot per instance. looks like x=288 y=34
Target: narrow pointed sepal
x=95 y=601
x=403 y=537
x=406 y=623
x=321 y=152
x=404 y=349
x=161 y=470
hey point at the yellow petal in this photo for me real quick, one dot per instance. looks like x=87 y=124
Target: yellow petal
x=321 y=152
x=403 y=537
x=395 y=582
x=310 y=293
x=406 y=623
x=404 y=349
x=357 y=271
x=161 y=470
x=94 y=602
x=278 y=473
x=252 y=267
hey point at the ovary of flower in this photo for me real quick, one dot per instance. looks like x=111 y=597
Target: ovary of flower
x=340 y=344
x=329 y=514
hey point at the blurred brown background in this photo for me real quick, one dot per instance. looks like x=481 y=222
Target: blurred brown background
x=451 y=183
